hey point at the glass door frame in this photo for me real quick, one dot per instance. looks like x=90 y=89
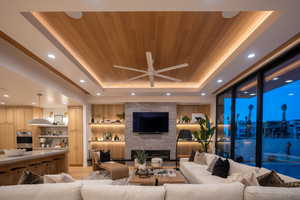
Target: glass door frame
x=259 y=75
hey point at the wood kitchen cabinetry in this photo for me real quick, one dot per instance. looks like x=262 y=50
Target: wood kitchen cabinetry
x=14 y=119
x=75 y=128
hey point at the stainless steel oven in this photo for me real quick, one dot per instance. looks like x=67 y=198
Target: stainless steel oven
x=24 y=140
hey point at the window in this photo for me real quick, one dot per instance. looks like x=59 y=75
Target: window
x=245 y=119
x=258 y=119
x=224 y=120
x=281 y=119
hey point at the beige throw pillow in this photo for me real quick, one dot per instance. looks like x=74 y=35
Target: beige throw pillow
x=200 y=158
x=58 y=178
x=250 y=179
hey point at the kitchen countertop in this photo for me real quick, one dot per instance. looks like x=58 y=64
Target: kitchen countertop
x=30 y=155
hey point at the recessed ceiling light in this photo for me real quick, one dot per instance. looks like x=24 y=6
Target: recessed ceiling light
x=275 y=78
x=98 y=94
x=203 y=94
x=168 y=94
x=2 y=103
x=132 y=94
x=289 y=81
x=251 y=55
x=252 y=94
x=64 y=103
x=219 y=81
x=74 y=14
x=52 y=56
x=6 y=95
x=82 y=81
x=291 y=94
x=246 y=92
x=33 y=103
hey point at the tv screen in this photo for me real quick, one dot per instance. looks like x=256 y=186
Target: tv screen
x=150 y=122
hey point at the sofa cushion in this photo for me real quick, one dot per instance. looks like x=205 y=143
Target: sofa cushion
x=221 y=168
x=231 y=191
x=271 y=193
x=61 y=191
x=236 y=167
x=122 y=192
x=197 y=174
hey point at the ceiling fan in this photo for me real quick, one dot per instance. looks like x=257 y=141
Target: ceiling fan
x=151 y=72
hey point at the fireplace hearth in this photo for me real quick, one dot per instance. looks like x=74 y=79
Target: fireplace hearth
x=164 y=154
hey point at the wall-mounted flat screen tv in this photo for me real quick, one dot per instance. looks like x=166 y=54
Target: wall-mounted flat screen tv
x=150 y=122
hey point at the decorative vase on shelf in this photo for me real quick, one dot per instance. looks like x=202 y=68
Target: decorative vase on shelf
x=92 y=120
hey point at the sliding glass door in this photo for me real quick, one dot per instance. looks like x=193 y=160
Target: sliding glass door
x=258 y=118
x=245 y=120
x=224 y=103
x=281 y=119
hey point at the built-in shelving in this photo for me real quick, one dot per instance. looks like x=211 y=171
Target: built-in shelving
x=53 y=136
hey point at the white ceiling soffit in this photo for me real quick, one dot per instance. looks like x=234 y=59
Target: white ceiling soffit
x=23 y=91
x=270 y=36
x=15 y=64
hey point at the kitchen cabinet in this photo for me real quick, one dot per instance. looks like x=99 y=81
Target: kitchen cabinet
x=75 y=129
x=7 y=136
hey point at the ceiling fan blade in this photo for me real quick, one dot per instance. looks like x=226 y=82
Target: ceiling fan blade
x=137 y=77
x=149 y=62
x=172 y=68
x=167 y=77
x=130 y=69
x=151 y=79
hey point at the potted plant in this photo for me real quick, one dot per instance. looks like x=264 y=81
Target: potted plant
x=140 y=159
x=205 y=133
x=186 y=119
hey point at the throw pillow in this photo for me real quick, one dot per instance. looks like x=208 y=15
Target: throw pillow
x=28 y=177
x=58 y=178
x=291 y=184
x=249 y=179
x=221 y=168
x=104 y=156
x=192 y=156
x=212 y=164
x=200 y=158
x=271 y=179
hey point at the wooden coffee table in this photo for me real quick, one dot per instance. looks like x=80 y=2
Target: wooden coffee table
x=178 y=179
x=135 y=179
x=158 y=179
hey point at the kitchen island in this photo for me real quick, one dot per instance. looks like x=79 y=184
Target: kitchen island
x=39 y=162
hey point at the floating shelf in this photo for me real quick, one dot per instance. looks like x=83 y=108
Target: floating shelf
x=106 y=124
x=53 y=136
x=54 y=126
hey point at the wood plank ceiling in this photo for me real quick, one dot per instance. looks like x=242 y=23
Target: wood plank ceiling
x=104 y=39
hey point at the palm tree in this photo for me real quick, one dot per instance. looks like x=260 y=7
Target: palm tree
x=283 y=108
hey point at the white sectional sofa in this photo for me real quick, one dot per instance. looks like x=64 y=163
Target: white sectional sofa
x=98 y=191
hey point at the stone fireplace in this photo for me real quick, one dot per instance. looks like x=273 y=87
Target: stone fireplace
x=161 y=142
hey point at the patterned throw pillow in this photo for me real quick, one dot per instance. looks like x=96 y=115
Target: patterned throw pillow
x=271 y=179
x=200 y=158
x=291 y=184
x=28 y=177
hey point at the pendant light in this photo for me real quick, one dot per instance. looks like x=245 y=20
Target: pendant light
x=39 y=121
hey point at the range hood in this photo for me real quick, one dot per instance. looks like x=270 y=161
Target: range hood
x=39 y=121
